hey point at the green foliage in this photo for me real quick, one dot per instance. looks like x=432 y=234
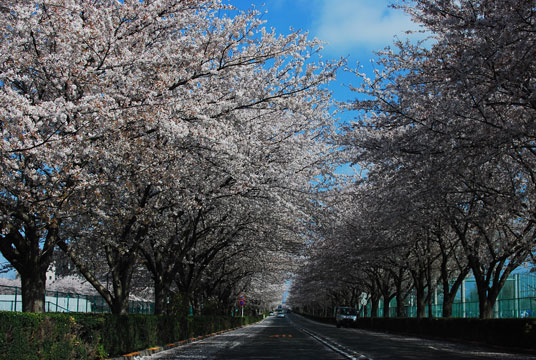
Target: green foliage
x=26 y=336
x=16 y=336
x=40 y=336
x=179 y=305
x=170 y=329
x=212 y=307
x=123 y=334
x=90 y=332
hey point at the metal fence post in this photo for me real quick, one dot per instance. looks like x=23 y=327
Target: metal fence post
x=516 y=296
x=463 y=298
x=16 y=290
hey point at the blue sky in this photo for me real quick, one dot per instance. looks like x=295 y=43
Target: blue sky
x=352 y=29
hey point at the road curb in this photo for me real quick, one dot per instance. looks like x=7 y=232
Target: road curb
x=157 y=349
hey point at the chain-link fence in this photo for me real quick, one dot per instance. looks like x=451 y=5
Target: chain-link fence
x=58 y=301
x=517 y=299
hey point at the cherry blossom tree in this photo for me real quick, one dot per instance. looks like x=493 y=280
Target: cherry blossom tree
x=42 y=137
x=125 y=114
x=453 y=116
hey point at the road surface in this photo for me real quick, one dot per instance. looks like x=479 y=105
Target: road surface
x=297 y=338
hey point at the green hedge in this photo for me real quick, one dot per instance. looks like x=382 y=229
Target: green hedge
x=519 y=333
x=34 y=336
x=26 y=336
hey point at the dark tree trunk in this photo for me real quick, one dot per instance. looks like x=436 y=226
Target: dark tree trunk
x=33 y=290
x=421 y=303
x=374 y=305
x=401 y=292
x=386 y=301
x=491 y=269
x=448 y=301
x=162 y=277
x=119 y=305
x=488 y=293
x=430 y=303
x=121 y=266
x=383 y=281
x=160 y=298
x=448 y=256
x=418 y=281
x=400 y=305
x=490 y=282
x=449 y=291
x=486 y=307
x=21 y=247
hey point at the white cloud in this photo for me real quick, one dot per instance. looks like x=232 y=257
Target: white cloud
x=365 y=24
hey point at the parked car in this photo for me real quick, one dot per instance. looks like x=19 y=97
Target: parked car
x=345 y=316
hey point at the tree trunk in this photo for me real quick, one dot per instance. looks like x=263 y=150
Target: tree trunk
x=21 y=247
x=490 y=282
x=448 y=301
x=421 y=303
x=400 y=305
x=418 y=278
x=33 y=291
x=486 y=308
x=449 y=291
x=374 y=305
x=487 y=295
x=383 y=280
x=120 y=306
x=121 y=266
x=401 y=293
x=430 y=304
x=160 y=298
x=386 y=301
x=162 y=269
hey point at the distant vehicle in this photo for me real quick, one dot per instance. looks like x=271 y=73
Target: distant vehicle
x=345 y=315
x=272 y=313
x=281 y=315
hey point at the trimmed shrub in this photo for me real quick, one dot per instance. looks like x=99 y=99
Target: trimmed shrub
x=519 y=333
x=40 y=336
x=25 y=336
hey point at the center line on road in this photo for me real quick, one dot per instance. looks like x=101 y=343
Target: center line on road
x=334 y=346
x=349 y=354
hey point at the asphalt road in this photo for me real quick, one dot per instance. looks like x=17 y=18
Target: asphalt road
x=297 y=338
